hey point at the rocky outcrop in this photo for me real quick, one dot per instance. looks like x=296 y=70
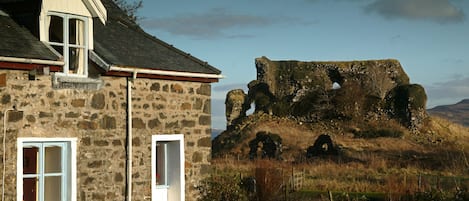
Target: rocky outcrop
x=234 y=106
x=314 y=91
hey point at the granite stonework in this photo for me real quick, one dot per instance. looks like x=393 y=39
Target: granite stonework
x=98 y=118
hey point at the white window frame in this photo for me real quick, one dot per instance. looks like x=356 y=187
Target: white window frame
x=72 y=167
x=66 y=41
x=167 y=138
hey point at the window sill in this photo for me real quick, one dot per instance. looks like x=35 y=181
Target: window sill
x=162 y=186
x=70 y=81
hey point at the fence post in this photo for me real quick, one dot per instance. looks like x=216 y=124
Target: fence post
x=420 y=182
x=405 y=180
x=292 y=182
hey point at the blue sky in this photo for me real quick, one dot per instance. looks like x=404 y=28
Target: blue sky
x=429 y=37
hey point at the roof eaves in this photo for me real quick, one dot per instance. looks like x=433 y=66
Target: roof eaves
x=99 y=61
x=164 y=72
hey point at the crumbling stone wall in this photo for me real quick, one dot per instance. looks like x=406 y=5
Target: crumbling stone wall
x=285 y=78
x=311 y=91
x=235 y=106
x=97 y=118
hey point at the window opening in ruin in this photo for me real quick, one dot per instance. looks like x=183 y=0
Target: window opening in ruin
x=68 y=36
x=325 y=147
x=45 y=171
x=335 y=86
x=252 y=109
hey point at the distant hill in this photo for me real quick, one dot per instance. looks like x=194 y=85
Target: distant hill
x=458 y=113
x=216 y=132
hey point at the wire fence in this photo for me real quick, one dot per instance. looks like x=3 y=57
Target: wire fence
x=280 y=183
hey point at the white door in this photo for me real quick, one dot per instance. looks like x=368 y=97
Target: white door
x=168 y=167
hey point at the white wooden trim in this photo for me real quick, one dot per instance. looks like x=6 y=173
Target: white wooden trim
x=97 y=8
x=66 y=46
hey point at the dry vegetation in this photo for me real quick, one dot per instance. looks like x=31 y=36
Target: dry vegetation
x=435 y=159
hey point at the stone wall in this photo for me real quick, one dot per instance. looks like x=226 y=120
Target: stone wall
x=97 y=118
x=376 y=77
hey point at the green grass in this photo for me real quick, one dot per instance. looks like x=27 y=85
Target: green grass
x=315 y=195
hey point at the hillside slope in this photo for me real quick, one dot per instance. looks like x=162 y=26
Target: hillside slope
x=458 y=113
x=425 y=148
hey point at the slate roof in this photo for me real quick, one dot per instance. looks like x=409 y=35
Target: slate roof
x=17 y=41
x=123 y=43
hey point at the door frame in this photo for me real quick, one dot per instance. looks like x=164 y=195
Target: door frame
x=168 y=138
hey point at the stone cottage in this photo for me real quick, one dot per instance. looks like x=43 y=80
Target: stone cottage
x=94 y=108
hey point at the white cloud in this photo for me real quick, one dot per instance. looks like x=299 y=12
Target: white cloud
x=448 y=92
x=216 y=23
x=206 y=25
x=441 y=11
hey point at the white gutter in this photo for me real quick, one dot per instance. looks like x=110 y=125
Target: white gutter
x=163 y=72
x=129 y=135
x=32 y=61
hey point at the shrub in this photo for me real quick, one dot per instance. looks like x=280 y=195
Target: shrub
x=433 y=195
x=348 y=197
x=376 y=133
x=461 y=195
x=438 y=195
x=221 y=188
x=270 y=181
x=281 y=108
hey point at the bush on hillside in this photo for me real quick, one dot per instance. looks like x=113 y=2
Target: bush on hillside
x=376 y=133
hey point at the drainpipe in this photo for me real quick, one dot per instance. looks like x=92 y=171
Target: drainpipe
x=129 y=135
x=5 y=116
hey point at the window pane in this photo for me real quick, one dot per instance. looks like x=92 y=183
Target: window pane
x=53 y=159
x=30 y=189
x=59 y=49
x=76 y=32
x=56 y=29
x=30 y=160
x=52 y=188
x=76 y=60
x=161 y=163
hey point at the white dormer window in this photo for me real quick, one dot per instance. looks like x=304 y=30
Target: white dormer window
x=68 y=35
